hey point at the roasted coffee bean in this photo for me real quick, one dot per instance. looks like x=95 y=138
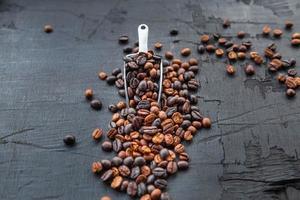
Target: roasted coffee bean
x=97 y=133
x=196 y=115
x=105 y=198
x=291 y=82
x=106 y=164
x=232 y=56
x=96 y=104
x=116 y=183
x=266 y=30
x=219 y=52
x=193 y=84
x=241 y=34
x=69 y=140
x=249 y=69
x=119 y=83
x=48 y=29
x=292 y=62
x=295 y=42
x=165 y=196
x=228 y=44
x=159 y=172
x=226 y=23
x=124 y=170
x=292 y=72
x=230 y=69
x=111 y=80
x=116 y=161
x=182 y=165
x=88 y=93
x=123 y=39
x=277 y=32
x=107 y=175
x=139 y=161
x=158 y=45
x=97 y=167
x=113 y=108
x=121 y=92
x=117 y=145
x=107 y=146
x=127 y=49
x=173 y=32
x=210 y=48
x=204 y=38
x=185 y=51
x=216 y=36
x=135 y=172
x=124 y=185
x=150 y=130
x=155 y=194
x=161 y=183
x=206 y=122
x=201 y=49
x=141 y=189
x=164 y=153
x=281 y=78
x=132 y=189
x=172 y=167
x=290 y=92
x=102 y=75
x=141 y=59
x=288 y=24
x=296 y=36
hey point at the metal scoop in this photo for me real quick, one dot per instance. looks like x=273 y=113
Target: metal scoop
x=143 y=47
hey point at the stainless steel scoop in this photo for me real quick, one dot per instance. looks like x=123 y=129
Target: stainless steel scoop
x=143 y=47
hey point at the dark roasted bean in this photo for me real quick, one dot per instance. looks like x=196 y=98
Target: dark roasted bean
x=141 y=189
x=135 y=172
x=106 y=164
x=172 y=167
x=139 y=161
x=69 y=140
x=117 y=145
x=106 y=146
x=132 y=189
x=111 y=80
x=123 y=39
x=159 y=172
x=116 y=161
x=107 y=175
x=128 y=160
x=182 y=165
x=164 y=153
x=96 y=104
x=161 y=183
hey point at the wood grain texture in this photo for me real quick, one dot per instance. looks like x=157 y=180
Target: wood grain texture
x=251 y=152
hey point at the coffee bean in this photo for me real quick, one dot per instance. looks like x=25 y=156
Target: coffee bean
x=173 y=32
x=139 y=161
x=230 y=69
x=288 y=24
x=102 y=75
x=116 y=161
x=141 y=189
x=124 y=170
x=266 y=30
x=123 y=39
x=97 y=133
x=296 y=36
x=210 y=48
x=107 y=175
x=292 y=62
x=182 y=165
x=105 y=198
x=204 y=38
x=106 y=146
x=295 y=42
x=48 y=29
x=97 y=167
x=226 y=23
x=88 y=93
x=155 y=194
x=158 y=45
x=127 y=49
x=159 y=172
x=201 y=49
x=145 y=197
x=116 y=183
x=96 y=104
x=132 y=189
x=69 y=140
x=111 y=80
x=106 y=164
x=277 y=32
x=290 y=92
x=161 y=183
x=249 y=69
x=219 y=52
x=206 y=122
x=172 y=167
x=117 y=145
x=292 y=72
x=116 y=71
x=185 y=51
x=241 y=34
x=135 y=172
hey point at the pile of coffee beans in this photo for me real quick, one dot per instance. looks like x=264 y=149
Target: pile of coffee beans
x=147 y=136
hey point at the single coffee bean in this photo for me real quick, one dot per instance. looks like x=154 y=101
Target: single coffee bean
x=96 y=104
x=116 y=71
x=296 y=36
x=155 y=194
x=204 y=38
x=226 y=23
x=172 y=167
x=123 y=39
x=132 y=189
x=292 y=72
x=107 y=175
x=141 y=189
x=230 y=69
x=201 y=49
x=116 y=183
x=69 y=140
x=105 y=198
x=169 y=55
x=295 y=42
x=139 y=161
x=241 y=34
x=102 y=75
x=219 y=52
x=158 y=45
x=117 y=145
x=106 y=164
x=185 y=51
x=112 y=108
x=106 y=146
x=290 y=92
x=277 y=32
x=281 y=78
x=288 y=24
x=116 y=161
x=145 y=197
x=124 y=170
x=161 y=183
x=182 y=165
x=173 y=32
x=266 y=30
x=135 y=172
x=97 y=133
x=249 y=69
x=48 y=29
x=88 y=93
x=127 y=49
x=159 y=172
x=292 y=62
x=210 y=48
x=97 y=167
x=150 y=179
x=111 y=80
x=124 y=186
x=164 y=153
x=206 y=122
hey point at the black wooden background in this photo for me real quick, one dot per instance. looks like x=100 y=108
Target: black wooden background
x=249 y=153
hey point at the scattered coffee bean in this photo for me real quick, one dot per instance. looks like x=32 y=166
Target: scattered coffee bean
x=182 y=165
x=201 y=49
x=105 y=198
x=210 y=48
x=155 y=194
x=249 y=70
x=102 y=75
x=123 y=39
x=48 y=29
x=288 y=24
x=88 y=93
x=266 y=30
x=127 y=49
x=168 y=55
x=96 y=104
x=219 y=52
x=281 y=78
x=241 y=34
x=173 y=32
x=106 y=146
x=69 y=140
x=292 y=72
x=226 y=23
x=185 y=51
x=97 y=167
x=206 y=122
x=97 y=133
x=111 y=80
x=158 y=45
x=230 y=69
x=295 y=42
x=204 y=38
x=277 y=32
x=290 y=92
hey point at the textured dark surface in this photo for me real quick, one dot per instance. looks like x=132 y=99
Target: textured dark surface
x=250 y=152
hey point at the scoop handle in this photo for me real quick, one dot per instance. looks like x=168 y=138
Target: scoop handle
x=143 y=38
